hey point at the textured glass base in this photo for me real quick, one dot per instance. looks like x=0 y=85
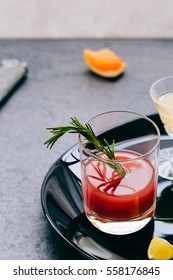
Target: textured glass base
x=120 y=227
x=166 y=163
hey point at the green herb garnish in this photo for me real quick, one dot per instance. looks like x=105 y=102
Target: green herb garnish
x=88 y=133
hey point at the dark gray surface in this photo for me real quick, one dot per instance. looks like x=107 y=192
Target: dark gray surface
x=59 y=86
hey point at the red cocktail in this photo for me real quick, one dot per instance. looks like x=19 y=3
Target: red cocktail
x=114 y=203
x=107 y=194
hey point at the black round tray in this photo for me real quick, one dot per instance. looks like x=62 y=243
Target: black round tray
x=62 y=204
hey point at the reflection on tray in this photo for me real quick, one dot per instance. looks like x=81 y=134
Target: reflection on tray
x=164 y=209
x=108 y=246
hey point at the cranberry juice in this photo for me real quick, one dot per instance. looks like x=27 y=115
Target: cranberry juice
x=109 y=196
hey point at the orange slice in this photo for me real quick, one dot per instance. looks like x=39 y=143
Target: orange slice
x=104 y=62
x=160 y=249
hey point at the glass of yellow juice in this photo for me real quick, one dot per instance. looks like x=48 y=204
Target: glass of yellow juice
x=162 y=95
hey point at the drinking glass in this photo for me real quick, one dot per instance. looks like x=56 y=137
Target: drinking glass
x=115 y=204
x=162 y=95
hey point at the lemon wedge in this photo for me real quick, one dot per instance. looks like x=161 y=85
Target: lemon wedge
x=160 y=249
x=104 y=62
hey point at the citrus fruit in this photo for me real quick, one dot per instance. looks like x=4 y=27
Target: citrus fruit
x=104 y=62
x=160 y=249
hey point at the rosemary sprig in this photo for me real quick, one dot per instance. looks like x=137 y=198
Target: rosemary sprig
x=88 y=133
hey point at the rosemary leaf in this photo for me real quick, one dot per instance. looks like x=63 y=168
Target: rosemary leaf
x=87 y=132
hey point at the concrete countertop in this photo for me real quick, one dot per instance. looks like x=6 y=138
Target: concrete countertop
x=58 y=86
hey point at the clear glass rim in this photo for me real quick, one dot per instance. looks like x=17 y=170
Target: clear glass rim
x=87 y=151
x=154 y=84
